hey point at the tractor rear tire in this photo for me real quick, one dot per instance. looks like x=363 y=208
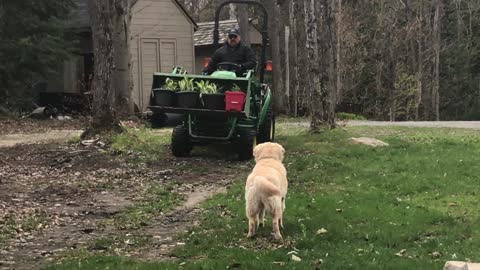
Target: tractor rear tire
x=181 y=144
x=158 y=120
x=266 y=132
x=245 y=143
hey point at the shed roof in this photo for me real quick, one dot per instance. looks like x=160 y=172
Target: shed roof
x=204 y=34
x=79 y=17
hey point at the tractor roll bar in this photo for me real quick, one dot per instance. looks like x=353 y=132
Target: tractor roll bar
x=264 y=30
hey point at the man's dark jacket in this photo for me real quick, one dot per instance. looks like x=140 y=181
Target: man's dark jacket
x=240 y=54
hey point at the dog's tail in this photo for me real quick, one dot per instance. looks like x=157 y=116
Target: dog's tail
x=266 y=187
x=274 y=200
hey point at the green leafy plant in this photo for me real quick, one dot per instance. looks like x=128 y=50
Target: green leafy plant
x=170 y=85
x=206 y=87
x=186 y=84
x=235 y=88
x=179 y=70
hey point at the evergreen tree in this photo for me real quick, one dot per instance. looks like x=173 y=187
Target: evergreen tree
x=33 y=43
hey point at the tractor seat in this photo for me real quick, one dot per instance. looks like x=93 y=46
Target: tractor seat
x=224 y=74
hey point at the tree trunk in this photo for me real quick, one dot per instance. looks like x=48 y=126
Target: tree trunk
x=321 y=63
x=338 y=49
x=110 y=40
x=329 y=97
x=232 y=12
x=243 y=23
x=278 y=91
x=123 y=82
x=436 y=47
x=293 y=61
x=287 y=66
x=301 y=92
x=314 y=83
x=419 y=75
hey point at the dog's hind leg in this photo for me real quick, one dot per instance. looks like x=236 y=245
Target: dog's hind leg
x=261 y=217
x=252 y=215
x=276 y=221
x=251 y=227
x=276 y=229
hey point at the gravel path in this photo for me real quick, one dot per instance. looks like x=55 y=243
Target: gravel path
x=436 y=124
x=433 y=124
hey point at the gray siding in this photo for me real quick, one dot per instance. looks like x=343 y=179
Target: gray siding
x=162 y=37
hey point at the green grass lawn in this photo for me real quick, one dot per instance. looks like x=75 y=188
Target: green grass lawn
x=411 y=205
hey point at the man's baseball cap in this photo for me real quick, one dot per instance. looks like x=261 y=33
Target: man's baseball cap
x=234 y=31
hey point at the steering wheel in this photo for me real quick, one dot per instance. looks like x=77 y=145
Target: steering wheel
x=229 y=66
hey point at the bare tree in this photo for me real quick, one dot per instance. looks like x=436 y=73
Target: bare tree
x=436 y=48
x=244 y=25
x=232 y=12
x=274 y=35
x=112 y=81
x=338 y=27
x=321 y=64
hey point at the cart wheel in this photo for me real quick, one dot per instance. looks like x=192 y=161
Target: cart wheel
x=181 y=144
x=158 y=120
x=245 y=143
x=266 y=131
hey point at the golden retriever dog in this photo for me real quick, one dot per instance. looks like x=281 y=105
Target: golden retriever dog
x=266 y=188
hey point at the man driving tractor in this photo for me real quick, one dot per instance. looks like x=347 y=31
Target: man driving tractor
x=233 y=56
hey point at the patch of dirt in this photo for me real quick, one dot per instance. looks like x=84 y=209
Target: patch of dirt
x=71 y=190
x=369 y=141
x=27 y=125
x=51 y=136
x=165 y=228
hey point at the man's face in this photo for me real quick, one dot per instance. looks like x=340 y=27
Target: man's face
x=233 y=40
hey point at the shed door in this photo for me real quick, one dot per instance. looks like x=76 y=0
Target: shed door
x=168 y=53
x=157 y=55
x=150 y=63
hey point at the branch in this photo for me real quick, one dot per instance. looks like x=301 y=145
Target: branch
x=132 y=3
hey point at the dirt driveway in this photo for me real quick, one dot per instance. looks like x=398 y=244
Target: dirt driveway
x=59 y=198
x=51 y=136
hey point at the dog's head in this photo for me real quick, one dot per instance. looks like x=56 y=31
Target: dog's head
x=268 y=150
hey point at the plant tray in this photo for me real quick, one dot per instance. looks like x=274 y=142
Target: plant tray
x=178 y=110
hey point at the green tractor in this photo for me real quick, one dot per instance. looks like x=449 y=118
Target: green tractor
x=252 y=123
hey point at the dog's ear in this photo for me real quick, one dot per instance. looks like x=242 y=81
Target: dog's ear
x=256 y=150
x=282 y=152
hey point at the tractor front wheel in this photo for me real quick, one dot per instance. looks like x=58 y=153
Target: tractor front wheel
x=181 y=144
x=245 y=143
x=266 y=132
